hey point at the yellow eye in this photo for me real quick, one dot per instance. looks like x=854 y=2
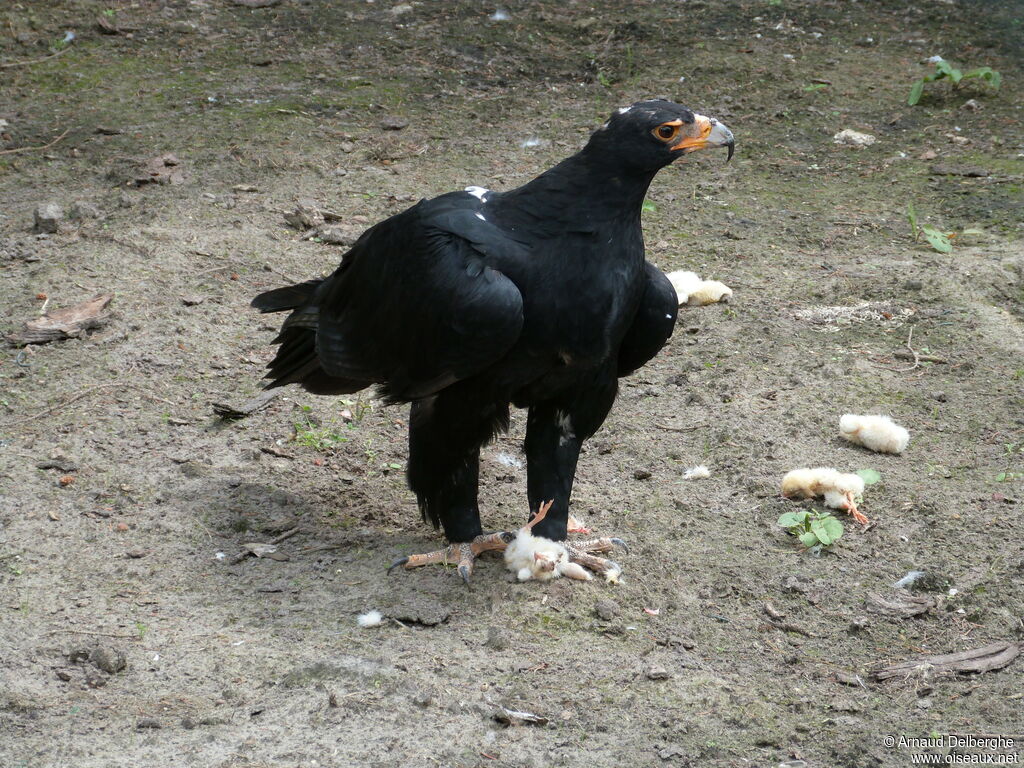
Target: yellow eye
x=666 y=131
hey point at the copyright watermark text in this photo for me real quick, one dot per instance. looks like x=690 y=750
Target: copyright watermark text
x=958 y=749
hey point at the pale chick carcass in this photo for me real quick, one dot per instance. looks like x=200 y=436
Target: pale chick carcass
x=878 y=433
x=534 y=557
x=691 y=290
x=839 y=489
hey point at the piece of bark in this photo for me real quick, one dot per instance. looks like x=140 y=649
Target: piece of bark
x=984 y=659
x=903 y=605
x=64 y=323
x=247 y=408
x=518 y=717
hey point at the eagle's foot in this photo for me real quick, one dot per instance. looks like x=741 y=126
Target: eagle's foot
x=462 y=554
x=583 y=553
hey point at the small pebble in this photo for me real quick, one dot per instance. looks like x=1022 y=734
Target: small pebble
x=606 y=609
x=48 y=217
x=498 y=638
x=110 y=660
x=657 y=673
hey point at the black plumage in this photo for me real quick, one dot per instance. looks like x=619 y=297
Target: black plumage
x=538 y=297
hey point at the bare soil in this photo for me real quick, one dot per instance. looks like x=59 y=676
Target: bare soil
x=130 y=634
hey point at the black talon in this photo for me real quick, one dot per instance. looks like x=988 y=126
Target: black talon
x=464 y=573
x=398 y=562
x=620 y=543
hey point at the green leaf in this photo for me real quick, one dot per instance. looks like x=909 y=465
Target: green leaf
x=393 y=465
x=790 y=520
x=869 y=476
x=912 y=218
x=973 y=231
x=819 y=529
x=808 y=539
x=1001 y=477
x=833 y=527
x=943 y=68
x=915 y=93
x=815 y=86
x=983 y=72
x=955 y=75
x=937 y=240
x=648 y=206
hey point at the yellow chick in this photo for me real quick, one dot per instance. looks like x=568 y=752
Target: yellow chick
x=709 y=292
x=839 y=489
x=691 y=290
x=878 y=433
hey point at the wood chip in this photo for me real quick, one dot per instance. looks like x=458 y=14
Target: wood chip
x=903 y=605
x=984 y=659
x=64 y=323
x=518 y=717
x=247 y=408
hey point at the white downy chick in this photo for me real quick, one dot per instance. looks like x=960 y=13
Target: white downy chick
x=534 y=557
x=809 y=483
x=691 y=290
x=685 y=283
x=840 y=489
x=709 y=292
x=878 y=433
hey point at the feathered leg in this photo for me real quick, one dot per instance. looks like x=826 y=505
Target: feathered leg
x=555 y=432
x=445 y=435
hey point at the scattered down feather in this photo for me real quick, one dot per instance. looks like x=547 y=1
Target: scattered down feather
x=878 y=433
x=370 y=619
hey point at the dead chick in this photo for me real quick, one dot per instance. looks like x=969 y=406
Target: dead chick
x=839 y=489
x=534 y=557
x=709 y=292
x=690 y=289
x=877 y=433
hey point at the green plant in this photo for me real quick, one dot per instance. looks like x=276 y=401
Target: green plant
x=313 y=435
x=943 y=69
x=813 y=527
x=869 y=476
x=940 y=241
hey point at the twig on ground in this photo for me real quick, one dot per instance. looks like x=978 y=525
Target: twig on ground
x=68 y=401
x=273 y=542
x=33 y=149
x=89 y=632
x=30 y=62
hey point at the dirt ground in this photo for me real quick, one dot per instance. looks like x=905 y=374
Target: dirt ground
x=131 y=634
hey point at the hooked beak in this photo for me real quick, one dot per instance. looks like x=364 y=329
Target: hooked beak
x=708 y=133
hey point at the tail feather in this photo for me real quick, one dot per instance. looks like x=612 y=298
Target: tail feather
x=289 y=297
x=297 y=361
